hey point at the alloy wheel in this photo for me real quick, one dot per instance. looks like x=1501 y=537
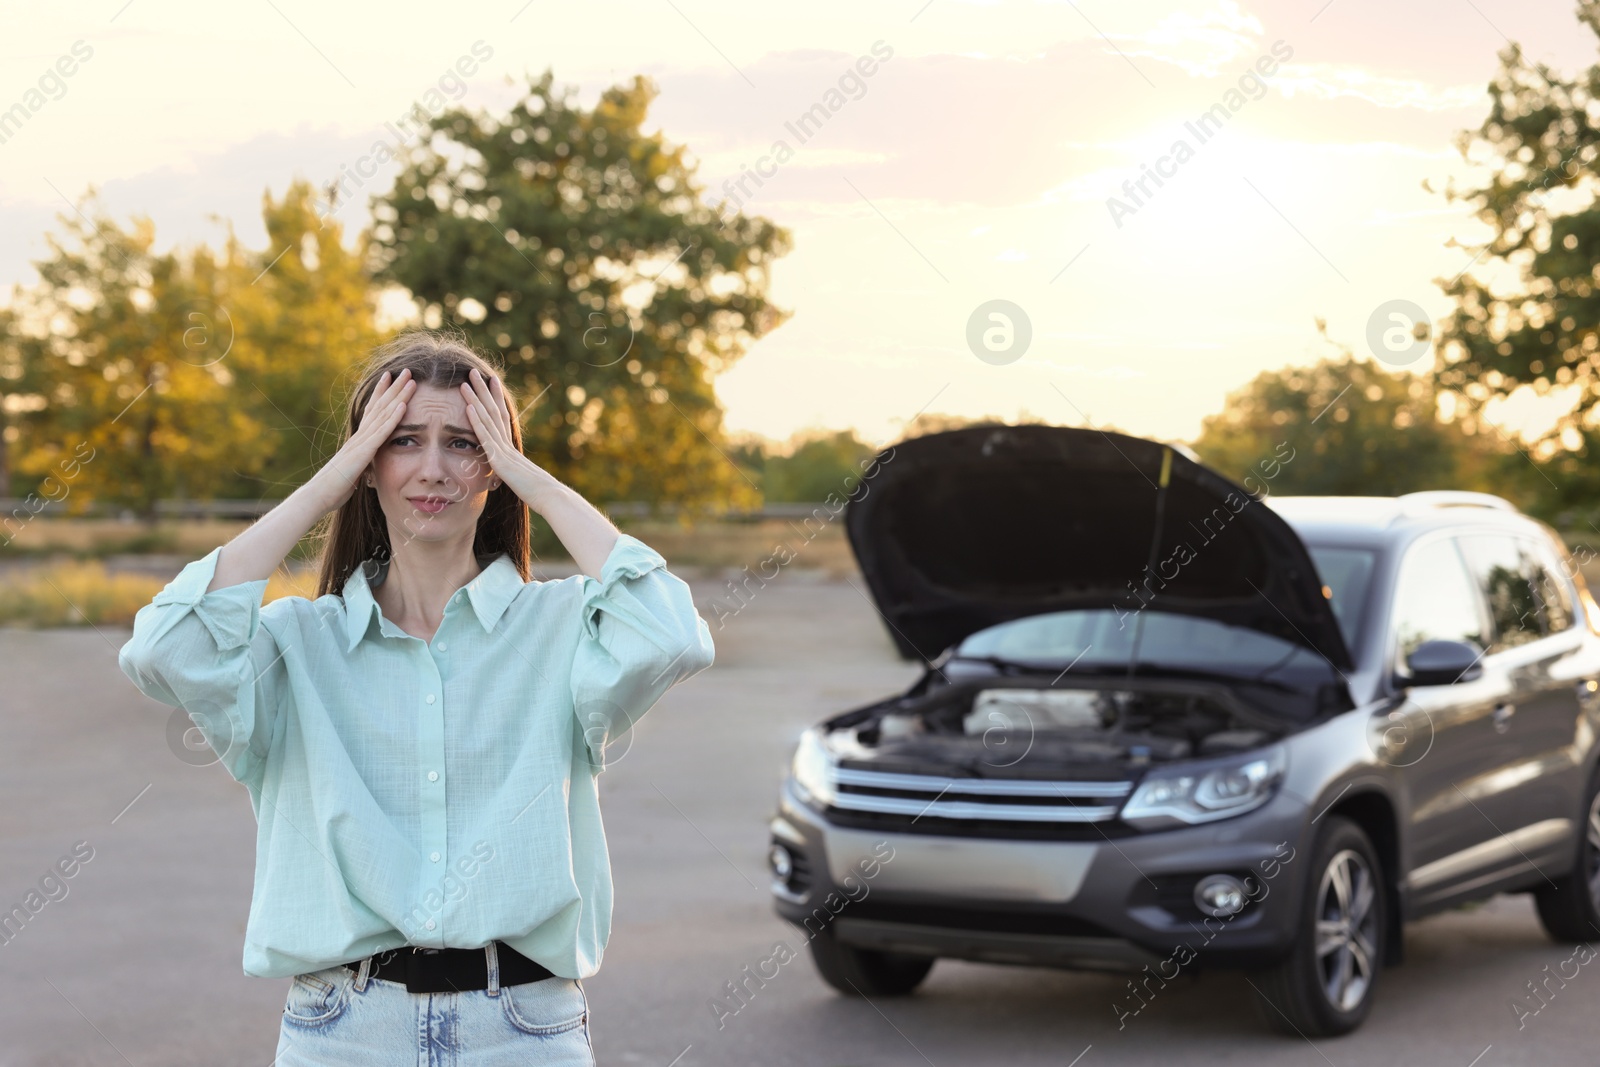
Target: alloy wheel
x=1591 y=867
x=1347 y=929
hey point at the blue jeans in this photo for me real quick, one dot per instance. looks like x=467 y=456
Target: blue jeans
x=335 y=1017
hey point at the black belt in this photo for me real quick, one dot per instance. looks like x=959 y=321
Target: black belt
x=452 y=970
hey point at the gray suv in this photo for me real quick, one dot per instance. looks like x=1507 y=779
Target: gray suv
x=1167 y=722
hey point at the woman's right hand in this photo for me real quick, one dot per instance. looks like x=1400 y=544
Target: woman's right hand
x=336 y=482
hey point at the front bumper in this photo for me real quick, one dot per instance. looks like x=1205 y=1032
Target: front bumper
x=1116 y=904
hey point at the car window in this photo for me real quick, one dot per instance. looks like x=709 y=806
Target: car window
x=1098 y=636
x=1435 y=598
x=1549 y=584
x=1502 y=571
x=1347 y=572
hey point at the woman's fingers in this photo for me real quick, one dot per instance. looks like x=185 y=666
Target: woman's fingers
x=490 y=395
x=388 y=388
x=474 y=394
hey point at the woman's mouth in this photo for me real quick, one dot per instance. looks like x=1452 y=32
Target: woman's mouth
x=431 y=505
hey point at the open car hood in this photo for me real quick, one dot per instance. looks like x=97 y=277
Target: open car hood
x=958 y=531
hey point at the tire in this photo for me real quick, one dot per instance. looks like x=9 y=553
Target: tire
x=1325 y=986
x=862 y=972
x=1569 y=909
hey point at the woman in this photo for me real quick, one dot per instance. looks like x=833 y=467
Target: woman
x=421 y=741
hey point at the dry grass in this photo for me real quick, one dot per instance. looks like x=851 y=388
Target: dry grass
x=71 y=594
x=814 y=543
x=77 y=593
x=43 y=588
x=735 y=545
x=102 y=537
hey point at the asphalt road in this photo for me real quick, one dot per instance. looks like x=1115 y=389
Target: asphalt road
x=139 y=964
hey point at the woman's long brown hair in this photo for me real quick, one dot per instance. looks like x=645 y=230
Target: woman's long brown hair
x=358 y=530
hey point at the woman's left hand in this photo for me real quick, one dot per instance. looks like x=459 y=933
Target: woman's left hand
x=587 y=535
x=491 y=421
x=490 y=416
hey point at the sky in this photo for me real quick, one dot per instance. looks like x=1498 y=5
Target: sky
x=983 y=159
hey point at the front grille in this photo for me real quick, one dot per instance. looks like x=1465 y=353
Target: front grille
x=986 y=829
x=1017 y=919
x=1005 y=800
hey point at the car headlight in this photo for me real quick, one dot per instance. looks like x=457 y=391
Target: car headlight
x=812 y=769
x=1203 y=793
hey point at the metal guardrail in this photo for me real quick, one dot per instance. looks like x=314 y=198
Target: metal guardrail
x=254 y=509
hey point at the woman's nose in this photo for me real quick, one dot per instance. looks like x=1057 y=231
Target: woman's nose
x=435 y=464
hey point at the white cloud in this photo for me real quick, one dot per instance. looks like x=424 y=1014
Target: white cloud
x=1329 y=81
x=1201 y=43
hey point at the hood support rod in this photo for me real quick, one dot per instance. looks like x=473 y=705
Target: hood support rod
x=1155 y=549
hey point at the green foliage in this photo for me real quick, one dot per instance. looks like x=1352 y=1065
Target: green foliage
x=1347 y=427
x=1540 y=142
x=817 y=466
x=125 y=411
x=300 y=328
x=577 y=247
x=195 y=374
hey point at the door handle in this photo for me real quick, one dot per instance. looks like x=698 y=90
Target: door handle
x=1502 y=717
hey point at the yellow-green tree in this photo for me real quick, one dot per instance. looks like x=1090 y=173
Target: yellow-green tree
x=303 y=312
x=109 y=342
x=1347 y=427
x=577 y=247
x=189 y=373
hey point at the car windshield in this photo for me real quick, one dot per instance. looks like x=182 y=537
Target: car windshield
x=1099 y=637
x=1347 y=572
x=1105 y=637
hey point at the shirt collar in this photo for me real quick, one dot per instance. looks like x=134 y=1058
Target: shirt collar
x=490 y=593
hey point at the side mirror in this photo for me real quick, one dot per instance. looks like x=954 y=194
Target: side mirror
x=1442 y=662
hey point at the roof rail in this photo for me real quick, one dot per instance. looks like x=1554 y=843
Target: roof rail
x=1453 y=498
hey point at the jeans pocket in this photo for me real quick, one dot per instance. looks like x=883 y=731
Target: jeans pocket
x=316 y=998
x=545 y=1008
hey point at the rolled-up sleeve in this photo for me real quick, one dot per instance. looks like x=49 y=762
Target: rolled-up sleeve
x=208 y=653
x=640 y=636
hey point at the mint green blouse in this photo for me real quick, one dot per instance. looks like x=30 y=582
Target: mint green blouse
x=438 y=793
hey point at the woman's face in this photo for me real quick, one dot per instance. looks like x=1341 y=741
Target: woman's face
x=432 y=478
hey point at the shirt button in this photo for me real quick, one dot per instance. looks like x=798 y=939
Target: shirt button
x=434 y=857
x=442 y=646
x=430 y=698
x=433 y=776
x=429 y=924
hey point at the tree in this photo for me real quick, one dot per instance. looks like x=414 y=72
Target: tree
x=299 y=328
x=577 y=247
x=17 y=393
x=102 y=340
x=188 y=373
x=1344 y=427
x=1534 y=323
x=817 y=464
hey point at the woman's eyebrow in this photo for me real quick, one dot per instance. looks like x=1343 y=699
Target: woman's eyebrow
x=423 y=426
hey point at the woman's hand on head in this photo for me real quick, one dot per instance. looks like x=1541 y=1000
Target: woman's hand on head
x=490 y=416
x=336 y=482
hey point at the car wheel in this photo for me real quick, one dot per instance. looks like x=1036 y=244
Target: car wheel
x=1569 y=908
x=867 y=972
x=1325 y=985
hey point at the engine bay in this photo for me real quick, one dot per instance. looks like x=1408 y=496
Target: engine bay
x=1001 y=727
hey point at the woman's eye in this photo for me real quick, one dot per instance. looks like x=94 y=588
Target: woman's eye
x=464 y=441
x=397 y=440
